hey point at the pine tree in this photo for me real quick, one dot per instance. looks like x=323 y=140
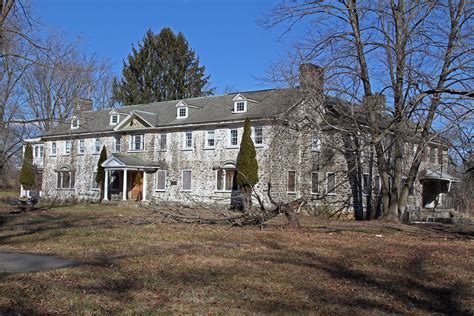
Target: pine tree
x=163 y=67
x=247 y=165
x=100 y=177
x=27 y=173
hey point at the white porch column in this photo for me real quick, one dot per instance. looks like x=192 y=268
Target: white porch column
x=124 y=195
x=144 y=186
x=106 y=185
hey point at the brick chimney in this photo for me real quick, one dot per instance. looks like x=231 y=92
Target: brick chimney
x=311 y=78
x=81 y=105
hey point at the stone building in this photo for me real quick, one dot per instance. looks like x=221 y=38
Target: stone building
x=186 y=150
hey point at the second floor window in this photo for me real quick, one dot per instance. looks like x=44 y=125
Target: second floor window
x=210 y=140
x=258 y=135
x=162 y=142
x=67 y=147
x=137 y=142
x=188 y=140
x=97 y=145
x=118 y=144
x=53 y=149
x=291 y=181
x=234 y=137
x=82 y=147
x=331 y=183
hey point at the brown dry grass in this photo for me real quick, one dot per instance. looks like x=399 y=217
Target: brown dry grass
x=326 y=266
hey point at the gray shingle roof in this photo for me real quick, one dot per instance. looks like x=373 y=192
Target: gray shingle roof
x=202 y=110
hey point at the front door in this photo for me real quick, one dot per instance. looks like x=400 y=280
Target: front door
x=136 y=185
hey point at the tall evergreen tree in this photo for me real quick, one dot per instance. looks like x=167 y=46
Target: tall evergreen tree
x=27 y=173
x=100 y=177
x=163 y=67
x=247 y=165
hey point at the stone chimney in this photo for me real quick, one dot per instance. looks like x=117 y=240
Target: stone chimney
x=375 y=102
x=81 y=105
x=311 y=78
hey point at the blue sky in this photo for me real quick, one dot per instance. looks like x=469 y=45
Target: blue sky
x=224 y=33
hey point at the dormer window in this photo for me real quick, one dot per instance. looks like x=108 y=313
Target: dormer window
x=182 y=112
x=240 y=103
x=74 y=123
x=114 y=119
x=240 y=107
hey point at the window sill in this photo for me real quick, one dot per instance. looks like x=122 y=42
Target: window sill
x=315 y=193
x=331 y=194
x=185 y=191
x=160 y=191
x=66 y=189
x=291 y=193
x=96 y=153
x=162 y=150
x=80 y=154
x=223 y=191
x=136 y=151
x=209 y=148
x=187 y=149
x=232 y=147
x=54 y=156
x=259 y=145
x=95 y=190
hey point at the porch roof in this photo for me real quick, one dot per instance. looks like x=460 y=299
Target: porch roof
x=437 y=175
x=120 y=161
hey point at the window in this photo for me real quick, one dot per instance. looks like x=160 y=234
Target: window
x=97 y=146
x=36 y=151
x=161 y=180
x=186 y=180
x=74 y=123
x=378 y=184
x=53 y=149
x=114 y=118
x=162 y=142
x=240 y=106
x=210 y=140
x=291 y=182
x=182 y=113
x=67 y=147
x=314 y=182
x=433 y=155
x=81 y=149
x=316 y=145
x=234 y=137
x=95 y=184
x=258 y=136
x=65 y=179
x=331 y=183
x=188 y=140
x=225 y=180
x=137 y=143
x=365 y=184
x=41 y=151
x=118 y=143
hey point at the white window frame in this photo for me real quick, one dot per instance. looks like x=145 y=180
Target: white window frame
x=95 y=146
x=178 y=112
x=117 y=143
x=66 y=150
x=157 y=189
x=315 y=184
x=185 y=141
x=316 y=143
x=41 y=151
x=254 y=136
x=230 y=145
x=112 y=116
x=81 y=149
x=190 y=182
x=207 y=139
x=131 y=144
x=237 y=104
x=288 y=182
x=76 y=121
x=94 y=174
x=160 y=142
x=327 y=183
x=54 y=152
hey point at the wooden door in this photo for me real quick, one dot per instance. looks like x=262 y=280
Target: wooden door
x=136 y=185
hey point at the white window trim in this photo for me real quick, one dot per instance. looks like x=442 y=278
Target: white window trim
x=327 y=182
x=79 y=147
x=317 y=184
x=229 y=142
x=206 y=138
x=166 y=182
x=65 y=153
x=317 y=148
x=111 y=121
x=182 y=180
x=184 y=141
x=51 y=149
x=72 y=122
x=288 y=182
x=254 y=135
x=114 y=149
x=159 y=142
x=100 y=147
x=132 y=142
x=178 y=116
x=235 y=106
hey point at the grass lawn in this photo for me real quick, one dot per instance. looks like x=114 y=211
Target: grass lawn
x=130 y=266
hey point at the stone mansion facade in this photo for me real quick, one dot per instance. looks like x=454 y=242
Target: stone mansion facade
x=186 y=150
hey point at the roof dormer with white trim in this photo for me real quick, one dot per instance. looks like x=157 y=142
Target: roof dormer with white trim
x=182 y=110
x=74 y=122
x=114 y=117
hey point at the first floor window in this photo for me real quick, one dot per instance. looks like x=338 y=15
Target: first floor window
x=234 y=137
x=41 y=151
x=331 y=183
x=258 y=135
x=314 y=182
x=95 y=184
x=210 y=140
x=365 y=184
x=291 y=181
x=225 y=180
x=137 y=143
x=36 y=153
x=97 y=146
x=65 y=179
x=161 y=180
x=186 y=180
x=188 y=140
x=53 y=149
x=162 y=144
x=378 y=184
x=118 y=144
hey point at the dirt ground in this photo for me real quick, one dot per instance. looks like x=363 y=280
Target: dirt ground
x=130 y=265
